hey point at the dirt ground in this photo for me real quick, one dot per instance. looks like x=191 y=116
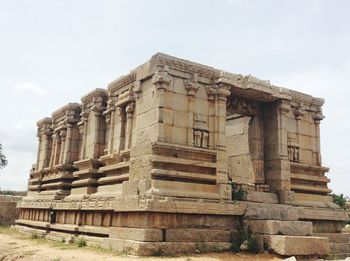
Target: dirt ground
x=15 y=246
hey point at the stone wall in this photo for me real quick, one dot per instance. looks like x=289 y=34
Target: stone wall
x=8 y=211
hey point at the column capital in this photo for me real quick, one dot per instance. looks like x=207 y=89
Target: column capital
x=284 y=107
x=161 y=77
x=299 y=112
x=130 y=108
x=192 y=85
x=318 y=117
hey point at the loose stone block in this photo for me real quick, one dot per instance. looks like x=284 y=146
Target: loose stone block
x=274 y=227
x=192 y=235
x=139 y=234
x=297 y=245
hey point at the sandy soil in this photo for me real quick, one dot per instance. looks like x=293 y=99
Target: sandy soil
x=14 y=246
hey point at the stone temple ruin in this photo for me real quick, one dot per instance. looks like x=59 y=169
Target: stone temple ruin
x=149 y=164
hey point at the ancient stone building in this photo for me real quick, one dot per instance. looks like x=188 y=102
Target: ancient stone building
x=148 y=165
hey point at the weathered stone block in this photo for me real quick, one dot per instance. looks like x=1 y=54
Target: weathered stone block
x=138 y=234
x=274 y=227
x=297 y=245
x=201 y=235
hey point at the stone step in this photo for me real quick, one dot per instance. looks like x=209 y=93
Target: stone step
x=262 y=197
x=276 y=227
x=339 y=248
x=297 y=245
x=264 y=211
x=335 y=237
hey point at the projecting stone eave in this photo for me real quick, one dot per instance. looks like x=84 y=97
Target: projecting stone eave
x=98 y=92
x=46 y=120
x=61 y=111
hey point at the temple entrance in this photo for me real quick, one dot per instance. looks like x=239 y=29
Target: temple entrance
x=245 y=141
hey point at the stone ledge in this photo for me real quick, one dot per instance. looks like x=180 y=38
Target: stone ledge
x=193 y=235
x=297 y=245
x=139 y=234
x=275 y=227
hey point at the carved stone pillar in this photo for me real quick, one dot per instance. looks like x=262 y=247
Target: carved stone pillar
x=161 y=79
x=37 y=166
x=211 y=92
x=56 y=147
x=221 y=98
x=318 y=117
x=130 y=108
x=47 y=148
x=67 y=158
x=83 y=125
x=63 y=134
x=192 y=87
x=109 y=115
x=97 y=109
x=122 y=119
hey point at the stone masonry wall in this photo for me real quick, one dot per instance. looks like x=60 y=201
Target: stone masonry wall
x=8 y=211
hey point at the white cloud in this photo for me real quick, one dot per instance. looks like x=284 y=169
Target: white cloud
x=29 y=87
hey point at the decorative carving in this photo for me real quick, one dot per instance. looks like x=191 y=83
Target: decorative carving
x=130 y=108
x=201 y=138
x=161 y=77
x=299 y=112
x=211 y=91
x=293 y=148
x=318 y=117
x=192 y=85
x=242 y=106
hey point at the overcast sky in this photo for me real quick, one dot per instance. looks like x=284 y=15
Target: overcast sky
x=53 y=52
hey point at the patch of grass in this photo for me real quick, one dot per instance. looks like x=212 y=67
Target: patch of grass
x=240 y=236
x=80 y=242
x=238 y=193
x=5 y=230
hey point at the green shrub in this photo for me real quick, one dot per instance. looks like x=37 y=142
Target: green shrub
x=238 y=193
x=340 y=200
x=241 y=235
x=80 y=242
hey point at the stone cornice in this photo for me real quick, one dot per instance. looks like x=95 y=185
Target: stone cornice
x=62 y=111
x=122 y=81
x=95 y=93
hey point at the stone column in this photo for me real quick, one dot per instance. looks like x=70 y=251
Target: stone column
x=67 y=155
x=299 y=112
x=57 y=149
x=211 y=92
x=122 y=118
x=276 y=157
x=109 y=115
x=221 y=98
x=46 y=152
x=97 y=112
x=37 y=167
x=318 y=117
x=130 y=108
x=63 y=134
x=192 y=87
x=161 y=79
x=83 y=125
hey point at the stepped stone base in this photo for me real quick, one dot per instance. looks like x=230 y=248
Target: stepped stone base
x=276 y=227
x=297 y=245
x=339 y=245
x=143 y=248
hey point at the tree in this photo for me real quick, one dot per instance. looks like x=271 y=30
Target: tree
x=3 y=160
